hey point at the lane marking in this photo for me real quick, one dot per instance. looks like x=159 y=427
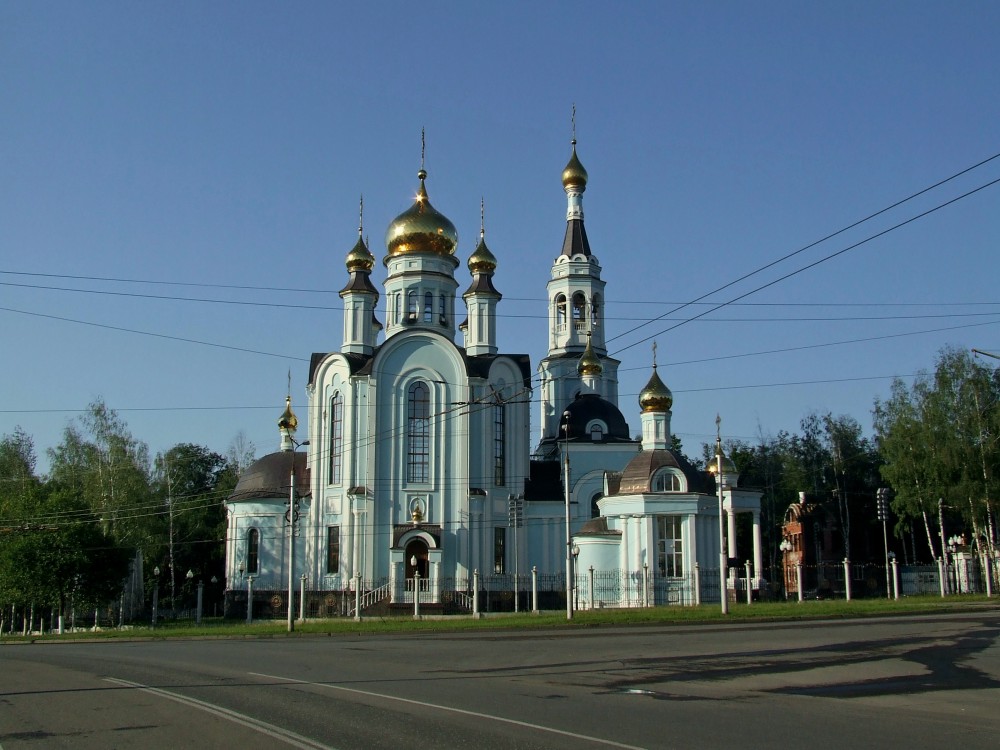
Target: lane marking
x=462 y=711
x=271 y=730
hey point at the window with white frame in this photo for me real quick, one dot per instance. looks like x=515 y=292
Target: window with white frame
x=669 y=547
x=667 y=480
x=418 y=433
x=336 y=436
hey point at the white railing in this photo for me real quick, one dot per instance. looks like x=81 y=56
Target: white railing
x=369 y=598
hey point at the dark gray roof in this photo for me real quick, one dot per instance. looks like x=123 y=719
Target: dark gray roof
x=588 y=406
x=476 y=367
x=269 y=477
x=575 y=242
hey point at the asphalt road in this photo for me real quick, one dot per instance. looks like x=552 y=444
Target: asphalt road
x=915 y=682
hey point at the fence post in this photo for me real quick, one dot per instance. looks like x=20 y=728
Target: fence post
x=197 y=616
x=847 y=578
x=475 y=593
x=697 y=585
x=302 y=598
x=534 y=589
x=749 y=587
x=988 y=570
x=249 y=600
x=357 y=596
x=895 y=578
x=798 y=579
x=940 y=563
x=645 y=584
x=590 y=574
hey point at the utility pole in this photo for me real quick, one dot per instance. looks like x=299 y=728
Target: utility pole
x=881 y=500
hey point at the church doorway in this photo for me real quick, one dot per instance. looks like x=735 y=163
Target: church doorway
x=416 y=561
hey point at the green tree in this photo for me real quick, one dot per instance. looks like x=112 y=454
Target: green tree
x=191 y=484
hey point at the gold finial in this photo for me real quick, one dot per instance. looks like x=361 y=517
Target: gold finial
x=718 y=428
x=289 y=383
x=573 y=122
x=654 y=355
x=361 y=215
x=482 y=217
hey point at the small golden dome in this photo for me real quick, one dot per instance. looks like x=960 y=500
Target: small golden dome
x=655 y=396
x=421 y=228
x=360 y=258
x=482 y=260
x=574 y=174
x=728 y=467
x=590 y=364
x=288 y=421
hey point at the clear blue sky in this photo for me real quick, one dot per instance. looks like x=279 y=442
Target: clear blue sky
x=228 y=143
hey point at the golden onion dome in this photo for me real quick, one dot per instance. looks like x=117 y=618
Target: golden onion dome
x=590 y=364
x=360 y=258
x=482 y=260
x=728 y=467
x=288 y=421
x=655 y=396
x=574 y=174
x=421 y=228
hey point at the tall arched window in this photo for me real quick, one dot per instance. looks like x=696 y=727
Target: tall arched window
x=336 y=437
x=444 y=310
x=428 y=307
x=418 y=433
x=411 y=303
x=499 y=446
x=579 y=311
x=561 y=312
x=253 y=552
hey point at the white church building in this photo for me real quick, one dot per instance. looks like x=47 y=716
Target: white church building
x=417 y=468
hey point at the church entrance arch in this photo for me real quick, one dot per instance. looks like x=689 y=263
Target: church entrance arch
x=416 y=558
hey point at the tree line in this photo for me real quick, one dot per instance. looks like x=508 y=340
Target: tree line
x=107 y=516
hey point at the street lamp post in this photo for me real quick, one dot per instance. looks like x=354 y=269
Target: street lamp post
x=723 y=557
x=569 y=558
x=292 y=517
x=785 y=547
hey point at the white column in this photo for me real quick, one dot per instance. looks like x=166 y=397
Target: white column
x=625 y=560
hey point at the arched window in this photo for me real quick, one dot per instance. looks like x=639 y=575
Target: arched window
x=397 y=307
x=336 y=437
x=579 y=311
x=411 y=303
x=561 y=312
x=253 y=552
x=595 y=312
x=428 y=307
x=667 y=480
x=418 y=433
x=594 y=510
x=596 y=432
x=444 y=310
